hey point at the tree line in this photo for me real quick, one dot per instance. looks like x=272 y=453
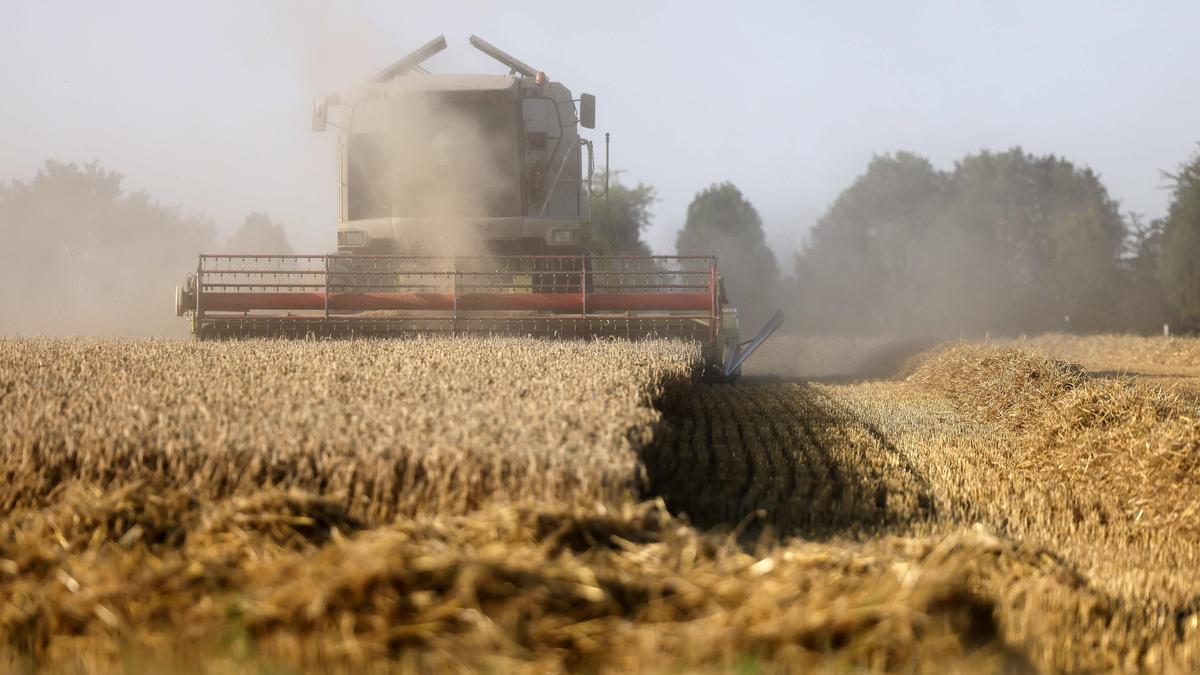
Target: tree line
x=83 y=256
x=1003 y=243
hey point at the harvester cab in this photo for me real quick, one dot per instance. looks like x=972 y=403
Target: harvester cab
x=486 y=164
x=464 y=207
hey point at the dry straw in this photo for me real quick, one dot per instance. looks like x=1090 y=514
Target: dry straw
x=451 y=505
x=1113 y=436
x=282 y=578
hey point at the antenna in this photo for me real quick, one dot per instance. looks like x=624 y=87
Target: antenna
x=502 y=56
x=412 y=61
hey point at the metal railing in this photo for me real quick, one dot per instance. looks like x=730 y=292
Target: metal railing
x=646 y=294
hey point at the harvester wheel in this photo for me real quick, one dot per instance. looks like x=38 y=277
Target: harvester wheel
x=185 y=296
x=714 y=374
x=714 y=370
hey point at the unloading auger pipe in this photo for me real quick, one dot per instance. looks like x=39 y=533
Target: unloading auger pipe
x=517 y=65
x=740 y=352
x=411 y=61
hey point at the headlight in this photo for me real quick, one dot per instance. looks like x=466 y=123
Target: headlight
x=352 y=238
x=562 y=236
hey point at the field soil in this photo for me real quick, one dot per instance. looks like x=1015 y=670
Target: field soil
x=1029 y=506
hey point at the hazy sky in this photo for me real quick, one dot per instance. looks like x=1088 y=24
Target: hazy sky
x=206 y=105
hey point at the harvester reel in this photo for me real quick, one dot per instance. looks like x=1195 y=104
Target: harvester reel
x=554 y=297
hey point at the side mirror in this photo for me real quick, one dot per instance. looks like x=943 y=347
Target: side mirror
x=320 y=113
x=587 y=111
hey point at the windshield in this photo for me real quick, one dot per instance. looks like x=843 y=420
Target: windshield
x=444 y=155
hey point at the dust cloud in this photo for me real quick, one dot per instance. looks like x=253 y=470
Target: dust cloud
x=85 y=252
x=425 y=166
x=84 y=256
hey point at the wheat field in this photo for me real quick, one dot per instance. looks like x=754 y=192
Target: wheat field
x=526 y=506
x=400 y=427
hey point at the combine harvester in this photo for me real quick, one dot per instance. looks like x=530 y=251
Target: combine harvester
x=464 y=207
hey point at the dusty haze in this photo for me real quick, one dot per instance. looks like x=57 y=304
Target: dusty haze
x=206 y=107
x=421 y=155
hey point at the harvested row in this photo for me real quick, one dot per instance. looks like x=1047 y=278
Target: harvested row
x=1125 y=451
x=781 y=455
x=1132 y=594
x=1171 y=363
x=390 y=428
x=1094 y=477
x=1179 y=356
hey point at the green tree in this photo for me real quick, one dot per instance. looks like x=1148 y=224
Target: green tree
x=259 y=234
x=867 y=248
x=1050 y=234
x=1180 y=268
x=621 y=219
x=1005 y=242
x=83 y=257
x=722 y=222
x=1142 y=299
